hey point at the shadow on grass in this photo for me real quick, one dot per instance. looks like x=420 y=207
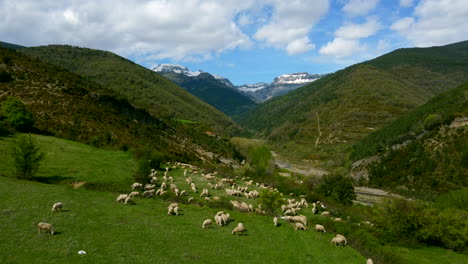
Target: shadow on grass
x=51 y=179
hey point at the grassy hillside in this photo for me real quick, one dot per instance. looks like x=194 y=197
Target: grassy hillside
x=425 y=148
x=70 y=106
x=10 y=45
x=139 y=233
x=142 y=87
x=212 y=91
x=320 y=120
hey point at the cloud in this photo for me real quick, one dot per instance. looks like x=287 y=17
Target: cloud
x=406 y=3
x=357 y=31
x=341 y=48
x=435 y=22
x=299 y=46
x=346 y=42
x=175 y=29
x=290 y=23
x=359 y=7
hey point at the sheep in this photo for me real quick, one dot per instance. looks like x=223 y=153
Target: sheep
x=299 y=226
x=185 y=173
x=338 y=219
x=343 y=237
x=320 y=228
x=176 y=191
x=154 y=180
x=133 y=194
x=170 y=179
x=150 y=186
x=189 y=181
x=275 y=221
x=220 y=213
x=127 y=199
x=326 y=213
x=338 y=241
x=57 y=207
x=182 y=193
x=207 y=223
x=207 y=199
x=173 y=208
x=49 y=228
x=225 y=218
x=121 y=198
x=239 y=229
x=216 y=198
x=137 y=185
x=204 y=193
x=218 y=219
x=176 y=210
x=194 y=189
x=163 y=185
x=149 y=193
x=369 y=261
x=190 y=199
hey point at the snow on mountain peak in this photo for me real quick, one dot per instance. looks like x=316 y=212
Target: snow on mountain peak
x=177 y=69
x=296 y=78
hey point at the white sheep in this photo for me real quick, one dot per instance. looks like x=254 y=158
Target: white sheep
x=299 y=226
x=326 y=213
x=137 y=185
x=207 y=223
x=207 y=199
x=369 y=261
x=127 y=199
x=170 y=179
x=190 y=199
x=149 y=193
x=338 y=241
x=204 y=193
x=218 y=219
x=182 y=193
x=338 y=219
x=320 y=228
x=239 y=229
x=343 y=237
x=133 y=194
x=121 y=198
x=57 y=207
x=225 y=218
x=275 y=221
x=49 y=228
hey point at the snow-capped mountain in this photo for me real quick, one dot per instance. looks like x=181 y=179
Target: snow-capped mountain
x=280 y=85
x=165 y=68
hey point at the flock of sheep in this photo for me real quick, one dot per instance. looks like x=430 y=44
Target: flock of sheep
x=244 y=189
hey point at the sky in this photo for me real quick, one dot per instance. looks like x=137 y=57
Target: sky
x=247 y=41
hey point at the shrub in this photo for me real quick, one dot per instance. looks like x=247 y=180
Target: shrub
x=149 y=160
x=27 y=156
x=17 y=115
x=338 y=187
x=270 y=201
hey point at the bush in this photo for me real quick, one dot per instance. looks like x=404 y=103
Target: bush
x=149 y=160
x=338 y=187
x=26 y=156
x=17 y=115
x=269 y=200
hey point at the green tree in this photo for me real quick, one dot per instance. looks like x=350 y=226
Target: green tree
x=338 y=187
x=16 y=114
x=27 y=157
x=269 y=200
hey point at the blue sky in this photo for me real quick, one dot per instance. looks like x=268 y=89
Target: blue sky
x=246 y=41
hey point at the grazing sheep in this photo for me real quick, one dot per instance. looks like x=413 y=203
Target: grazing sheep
x=176 y=191
x=133 y=194
x=369 y=261
x=57 y=207
x=194 y=189
x=207 y=223
x=170 y=179
x=320 y=228
x=163 y=185
x=185 y=173
x=299 y=226
x=207 y=199
x=176 y=210
x=49 y=228
x=127 y=199
x=220 y=213
x=314 y=210
x=239 y=229
x=275 y=221
x=225 y=218
x=137 y=185
x=154 y=180
x=326 y=213
x=218 y=219
x=338 y=241
x=343 y=237
x=338 y=219
x=150 y=186
x=182 y=193
x=149 y=193
x=121 y=198
x=204 y=193
x=216 y=198
x=190 y=199
x=189 y=181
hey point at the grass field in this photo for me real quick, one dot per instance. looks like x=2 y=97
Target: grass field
x=143 y=232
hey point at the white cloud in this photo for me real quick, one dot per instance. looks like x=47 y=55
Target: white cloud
x=359 y=7
x=406 y=3
x=435 y=22
x=299 y=46
x=176 y=29
x=341 y=48
x=290 y=24
x=346 y=42
x=402 y=24
x=356 y=31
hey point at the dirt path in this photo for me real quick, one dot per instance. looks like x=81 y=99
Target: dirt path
x=282 y=163
x=370 y=196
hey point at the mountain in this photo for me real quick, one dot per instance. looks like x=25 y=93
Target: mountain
x=7 y=45
x=422 y=153
x=142 y=87
x=280 y=85
x=215 y=90
x=67 y=105
x=319 y=121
